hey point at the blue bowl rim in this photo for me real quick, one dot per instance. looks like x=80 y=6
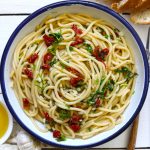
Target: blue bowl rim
x=68 y=3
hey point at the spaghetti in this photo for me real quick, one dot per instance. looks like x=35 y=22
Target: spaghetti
x=75 y=74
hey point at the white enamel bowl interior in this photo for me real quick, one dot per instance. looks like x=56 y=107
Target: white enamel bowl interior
x=135 y=100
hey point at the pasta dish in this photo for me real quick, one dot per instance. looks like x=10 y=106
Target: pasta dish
x=75 y=74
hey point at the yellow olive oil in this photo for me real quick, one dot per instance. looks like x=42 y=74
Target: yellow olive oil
x=3 y=120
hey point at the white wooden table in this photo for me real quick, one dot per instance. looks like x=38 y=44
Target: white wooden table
x=12 y=12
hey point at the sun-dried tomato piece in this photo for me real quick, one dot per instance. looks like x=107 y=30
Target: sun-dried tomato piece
x=26 y=103
x=56 y=134
x=77 y=41
x=33 y=58
x=28 y=72
x=48 y=57
x=48 y=40
x=76 y=29
x=75 y=127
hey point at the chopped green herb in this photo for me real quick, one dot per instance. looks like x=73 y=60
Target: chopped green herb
x=63 y=65
x=53 y=62
x=70 y=48
x=64 y=114
x=97 y=81
x=52 y=50
x=106 y=36
x=101 y=94
x=126 y=72
x=89 y=129
x=36 y=83
x=110 y=85
x=93 y=97
x=57 y=36
x=122 y=70
x=33 y=66
x=102 y=80
x=51 y=123
x=62 y=138
x=68 y=106
x=88 y=47
x=40 y=83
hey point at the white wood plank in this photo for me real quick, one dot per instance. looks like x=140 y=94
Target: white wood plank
x=9 y=23
x=27 y=6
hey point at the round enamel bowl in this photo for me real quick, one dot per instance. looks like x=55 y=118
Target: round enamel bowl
x=97 y=11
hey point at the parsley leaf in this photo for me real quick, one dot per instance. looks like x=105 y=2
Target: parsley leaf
x=110 y=85
x=89 y=129
x=96 y=81
x=52 y=50
x=102 y=80
x=106 y=36
x=64 y=114
x=62 y=138
x=88 y=47
x=63 y=65
x=57 y=36
x=126 y=72
x=101 y=94
x=54 y=61
x=70 y=48
x=94 y=96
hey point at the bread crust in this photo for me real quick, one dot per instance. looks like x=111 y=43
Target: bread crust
x=141 y=17
x=139 y=9
x=124 y=6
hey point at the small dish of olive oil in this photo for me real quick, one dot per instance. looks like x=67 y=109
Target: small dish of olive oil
x=6 y=122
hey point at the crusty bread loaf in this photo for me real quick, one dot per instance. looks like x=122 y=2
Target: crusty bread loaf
x=125 y=5
x=139 y=9
x=141 y=17
x=143 y=4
